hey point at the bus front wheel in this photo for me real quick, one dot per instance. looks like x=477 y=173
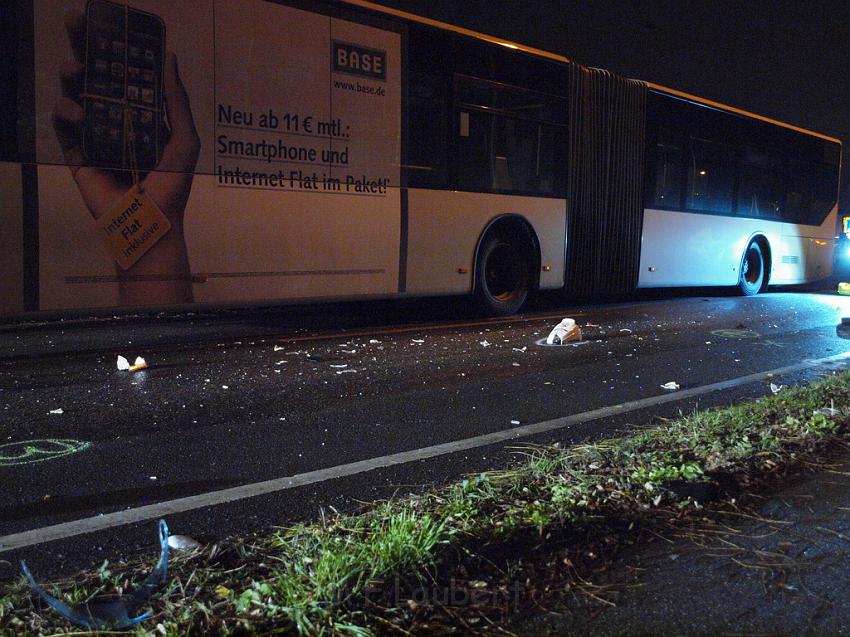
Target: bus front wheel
x=752 y=271
x=501 y=276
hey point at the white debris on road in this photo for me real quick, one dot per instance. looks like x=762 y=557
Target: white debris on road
x=564 y=332
x=183 y=543
x=124 y=365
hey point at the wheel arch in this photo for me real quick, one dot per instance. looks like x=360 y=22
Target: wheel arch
x=512 y=226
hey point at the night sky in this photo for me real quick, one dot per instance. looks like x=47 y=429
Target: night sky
x=786 y=60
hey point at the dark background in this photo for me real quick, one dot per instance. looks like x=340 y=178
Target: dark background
x=785 y=60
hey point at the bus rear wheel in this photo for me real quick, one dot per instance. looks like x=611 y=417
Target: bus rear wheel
x=752 y=271
x=501 y=276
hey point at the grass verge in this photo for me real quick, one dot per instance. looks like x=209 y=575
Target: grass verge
x=347 y=574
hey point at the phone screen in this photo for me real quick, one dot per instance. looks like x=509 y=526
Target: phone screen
x=124 y=118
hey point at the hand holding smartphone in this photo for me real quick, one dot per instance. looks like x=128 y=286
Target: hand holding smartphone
x=124 y=54
x=110 y=121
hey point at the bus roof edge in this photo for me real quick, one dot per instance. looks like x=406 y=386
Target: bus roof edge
x=739 y=111
x=461 y=30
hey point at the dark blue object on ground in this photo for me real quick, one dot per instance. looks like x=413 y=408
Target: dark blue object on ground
x=112 y=612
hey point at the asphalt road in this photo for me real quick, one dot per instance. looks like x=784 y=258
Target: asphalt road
x=235 y=398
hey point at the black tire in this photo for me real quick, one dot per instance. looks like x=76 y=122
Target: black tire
x=501 y=276
x=752 y=271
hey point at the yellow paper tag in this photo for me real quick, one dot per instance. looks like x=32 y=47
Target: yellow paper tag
x=133 y=226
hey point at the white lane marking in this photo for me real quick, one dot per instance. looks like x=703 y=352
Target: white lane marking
x=212 y=498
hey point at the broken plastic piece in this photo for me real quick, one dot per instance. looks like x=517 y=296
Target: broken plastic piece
x=672 y=385
x=776 y=388
x=183 y=543
x=111 y=612
x=564 y=332
x=138 y=364
x=829 y=412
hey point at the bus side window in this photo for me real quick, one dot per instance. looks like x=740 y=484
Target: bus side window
x=505 y=154
x=474 y=170
x=508 y=139
x=825 y=181
x=810 y=181
x=759 y=185
x=9 y=150
x=427 y=131
x=667 y=170
x=517 y=146
x=798 y=192
x=711 y=177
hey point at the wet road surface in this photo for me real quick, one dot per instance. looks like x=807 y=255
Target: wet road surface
x=245 y=397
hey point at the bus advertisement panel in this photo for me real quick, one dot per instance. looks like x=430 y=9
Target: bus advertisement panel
x=232 y=151
x=213 y=150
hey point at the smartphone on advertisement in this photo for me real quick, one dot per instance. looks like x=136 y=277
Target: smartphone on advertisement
x=122 y=98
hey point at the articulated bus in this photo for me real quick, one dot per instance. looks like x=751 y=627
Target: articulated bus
x=237 y=151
